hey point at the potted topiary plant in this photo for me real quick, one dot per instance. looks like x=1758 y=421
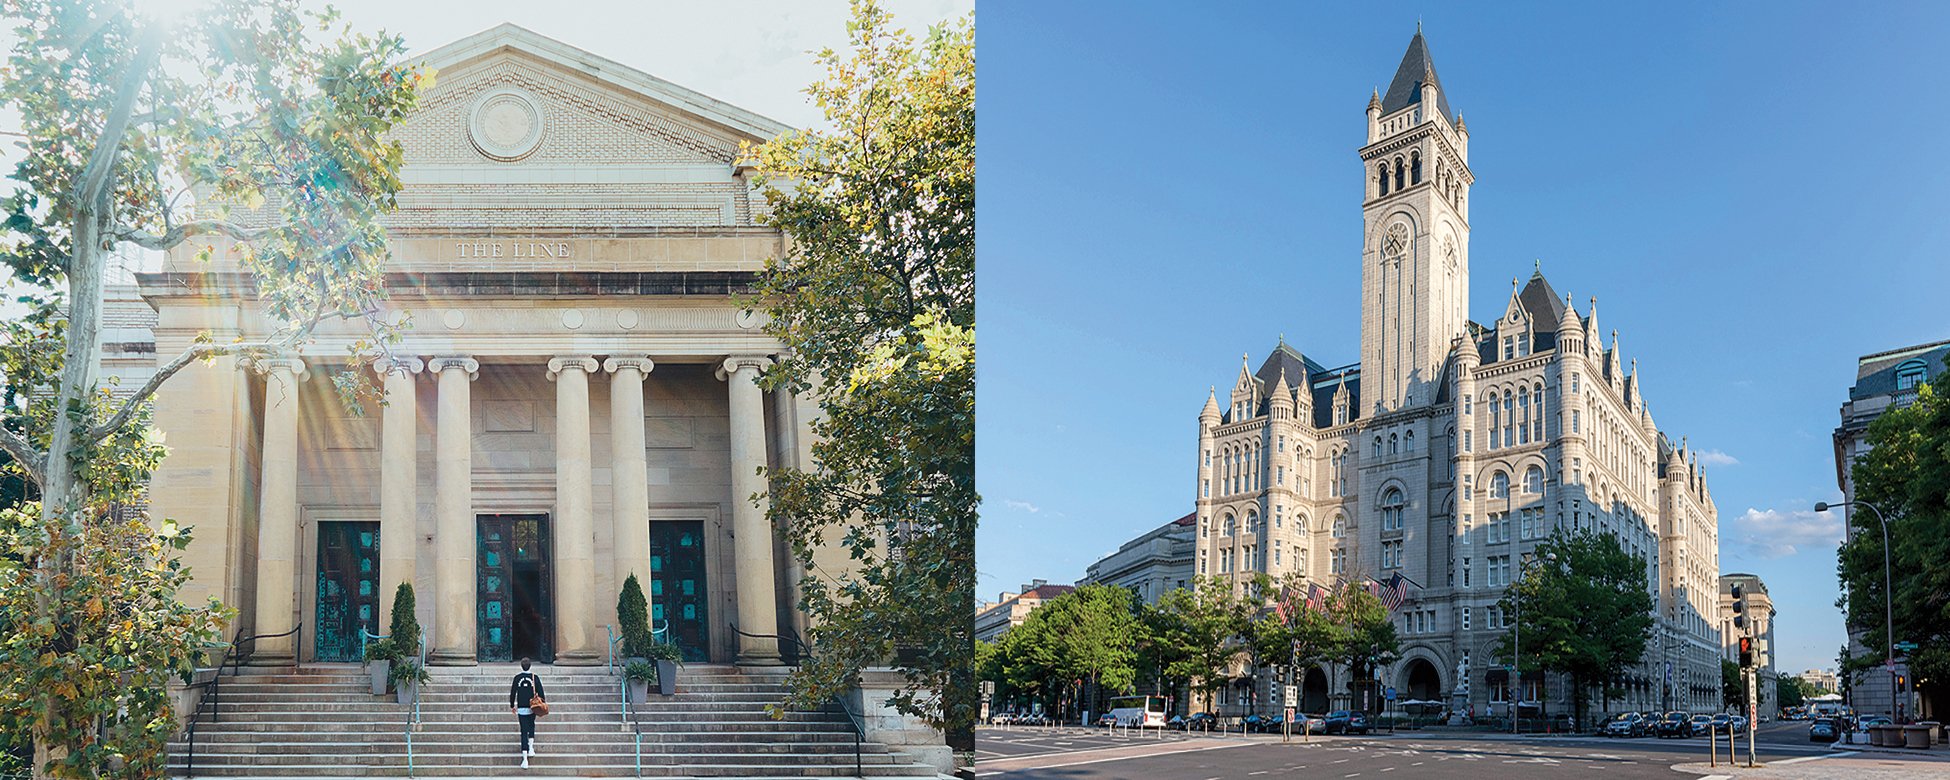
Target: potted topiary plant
x=379 y=662
x=667 y=658
x=633 y=619
x=408 y=676
x=405 y=633
x=639 y=672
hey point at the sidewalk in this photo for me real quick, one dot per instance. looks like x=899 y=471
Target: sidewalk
x=1837 y=766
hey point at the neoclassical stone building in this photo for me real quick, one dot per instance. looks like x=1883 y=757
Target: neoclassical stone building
x=573 y=402
x=1454 y=446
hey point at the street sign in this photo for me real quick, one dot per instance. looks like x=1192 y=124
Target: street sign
x=1292 y=696
x=1389 y=693
x=1668 y=672
x=1906 y=646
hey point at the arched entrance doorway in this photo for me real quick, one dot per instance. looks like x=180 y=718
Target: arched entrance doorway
x=1422 y=681
x=1313 y=692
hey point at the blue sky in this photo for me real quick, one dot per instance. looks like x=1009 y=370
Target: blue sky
x=1753 y=192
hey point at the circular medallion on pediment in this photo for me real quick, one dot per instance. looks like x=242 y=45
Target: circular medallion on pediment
x=453 y=319
x=572 y=319
x=506 y=124
x=627 y=319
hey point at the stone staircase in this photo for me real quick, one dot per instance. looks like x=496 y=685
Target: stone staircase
x=323 y=722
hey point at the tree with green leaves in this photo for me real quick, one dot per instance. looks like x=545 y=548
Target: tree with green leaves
x=233 y=128
x=1732 y=694
x=1291 y=636
x=1587 y=614
x=633 y=619
x=1906 y=475
x=1209 y=625
x=1366 y=641
x=874 y=303
x=1792 y=691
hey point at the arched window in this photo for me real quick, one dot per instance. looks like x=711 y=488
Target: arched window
x=1496 y=422
x=1252 y=521
x=1394 y=443
x=1500 y=485
x=1523 y=408
x=1391 y=510
x=1415 y=167
x=1340 y=527
x=1537 y=423
x=1408 y=441
x=1231 y=525
x=1377 y=446
x=1382 y=171
x=1400 y=170
x=1509 y=419
x=1533 y=481
x=1334 y=480
x=1300 y=524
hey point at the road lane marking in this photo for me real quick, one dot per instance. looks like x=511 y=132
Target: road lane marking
x=1389 y=769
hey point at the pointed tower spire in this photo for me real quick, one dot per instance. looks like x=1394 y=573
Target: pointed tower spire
x=1593 y=338
x=1282 y=403
x=1210 y=414
x=1417 y=68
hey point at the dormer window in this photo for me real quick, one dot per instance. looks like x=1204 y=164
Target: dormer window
x=1910 y=375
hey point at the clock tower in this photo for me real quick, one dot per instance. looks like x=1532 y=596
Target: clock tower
x=1415 y=256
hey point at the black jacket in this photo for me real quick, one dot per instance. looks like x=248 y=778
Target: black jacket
x=526 y=687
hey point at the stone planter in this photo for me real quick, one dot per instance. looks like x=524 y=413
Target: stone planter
x=639 y=691
x=379 y=670
x=1917 y=736
x=666 y=677
x=407 y=691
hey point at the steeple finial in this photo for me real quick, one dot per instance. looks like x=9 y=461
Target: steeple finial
x=1539 y=264
x=1418 y=25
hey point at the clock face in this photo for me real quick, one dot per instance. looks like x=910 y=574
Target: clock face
x=1395 y=241
x=1449 y=252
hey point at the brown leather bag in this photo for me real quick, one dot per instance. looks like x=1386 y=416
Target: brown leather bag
x=537 y=706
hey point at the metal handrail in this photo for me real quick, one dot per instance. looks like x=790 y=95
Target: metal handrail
x=213 y=688
x=805 y=653
x=413 y=719
x=623 y=694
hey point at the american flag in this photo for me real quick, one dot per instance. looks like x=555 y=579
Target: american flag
x=1394 y=592
x=1316 y=598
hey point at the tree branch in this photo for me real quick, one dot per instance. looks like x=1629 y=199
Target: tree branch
x=168 y=370
x=108 y=147
x=176 y=235
x=23 y=454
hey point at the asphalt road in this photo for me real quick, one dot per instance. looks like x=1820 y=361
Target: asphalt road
x=1094 y=754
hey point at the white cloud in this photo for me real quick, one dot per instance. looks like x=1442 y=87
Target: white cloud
x=1021 y=506
x=1718 y=458
x=1772 y=533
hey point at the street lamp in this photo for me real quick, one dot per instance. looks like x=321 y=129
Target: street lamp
x=1516 y=646
x=1888 y=596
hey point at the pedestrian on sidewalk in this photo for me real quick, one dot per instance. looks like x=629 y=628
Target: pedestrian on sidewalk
x=527 y=688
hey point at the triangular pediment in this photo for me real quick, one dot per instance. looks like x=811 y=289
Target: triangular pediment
x=524 y=132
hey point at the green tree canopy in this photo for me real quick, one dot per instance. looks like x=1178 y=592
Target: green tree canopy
x=1586 y=614
x=231 y=126
x=1906 y=475
x=875 y=304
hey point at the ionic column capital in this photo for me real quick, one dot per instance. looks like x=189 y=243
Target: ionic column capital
x=440 y=365
x=557 y=365
x=290 y=364
x=641 y=363
x=733 y=363
x=404 y=366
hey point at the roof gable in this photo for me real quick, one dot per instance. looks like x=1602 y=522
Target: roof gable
x=1406 y=89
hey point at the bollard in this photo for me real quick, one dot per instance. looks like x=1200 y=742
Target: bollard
x=1712 y=747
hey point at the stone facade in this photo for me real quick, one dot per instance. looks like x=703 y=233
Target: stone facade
x=1010 y=609
x=1883 y=381
x=1760 y=626
x=572 y=248
x=1454 y=446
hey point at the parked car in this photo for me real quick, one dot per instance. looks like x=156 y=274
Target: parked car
x=1273 y=724
x=1698 y=724
x=1345 y=722
x=1824 y=730
x=1313 y=723
x=1625 y=724
x=1197 y=721
x=1106 y=719
x=1252 y=723
x=1739 y=724
x=1672 y=724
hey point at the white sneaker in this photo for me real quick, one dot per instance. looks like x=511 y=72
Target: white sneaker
x=524 y=762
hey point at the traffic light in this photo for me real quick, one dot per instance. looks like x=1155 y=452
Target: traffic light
x=1746 y=652
x=1739 y=608
x=1901 y=684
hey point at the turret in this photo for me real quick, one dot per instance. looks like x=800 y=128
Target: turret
x=1570 y=331
x=1208 y=419
x=1209 y=416
x=1428 y=93
x=1462 y=138
x=1374 y=116
x=1281 y=405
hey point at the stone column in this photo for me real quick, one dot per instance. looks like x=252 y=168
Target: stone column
x=453 y=511
x=398 y=483
x=277 y=514
x=574 y=561
x=629 y=469
x=751 y=532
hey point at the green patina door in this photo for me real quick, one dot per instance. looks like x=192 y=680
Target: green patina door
x=348 y=589
x=678 y=598
x=515 y=617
